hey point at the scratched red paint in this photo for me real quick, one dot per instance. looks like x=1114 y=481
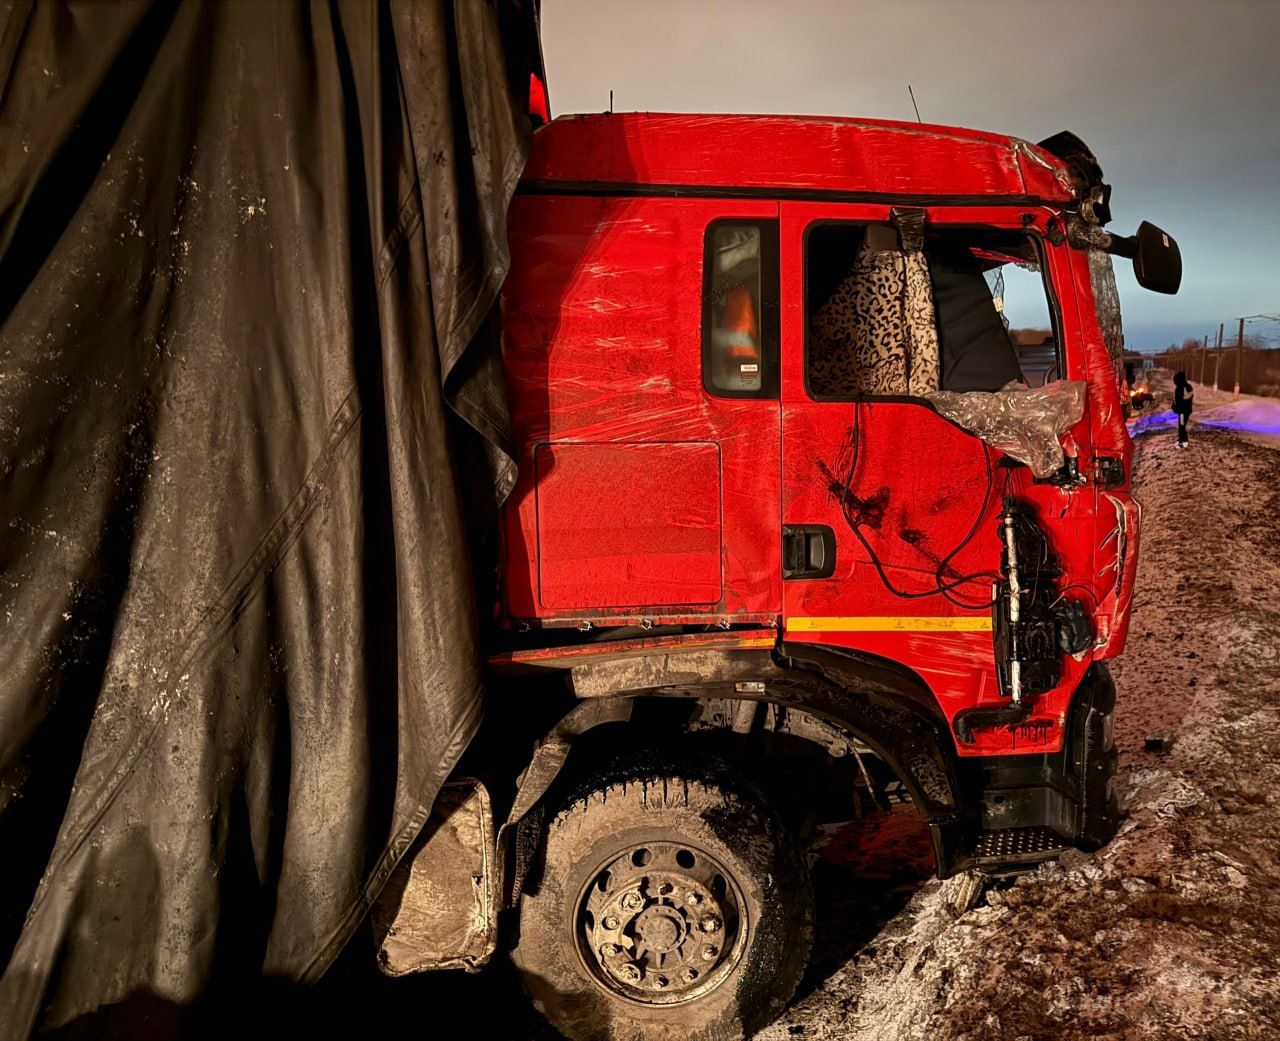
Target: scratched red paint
x=602 y=338
x=645 y=516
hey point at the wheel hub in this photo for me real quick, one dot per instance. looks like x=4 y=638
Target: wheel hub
x=661 y=923
x=660 y=929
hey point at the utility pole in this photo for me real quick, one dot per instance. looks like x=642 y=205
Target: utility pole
x=1217 y=357
x=1239 y=358
x=1204 y=358
x=1240 y=343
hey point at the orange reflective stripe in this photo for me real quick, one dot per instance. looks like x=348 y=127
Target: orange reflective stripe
x=887 y=624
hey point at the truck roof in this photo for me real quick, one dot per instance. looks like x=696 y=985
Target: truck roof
x=651 y=153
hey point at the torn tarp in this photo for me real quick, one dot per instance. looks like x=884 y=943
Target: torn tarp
x=245 y=252
x=1026 y=423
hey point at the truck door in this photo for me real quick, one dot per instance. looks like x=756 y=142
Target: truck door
x=640 y=344
x=889 y=511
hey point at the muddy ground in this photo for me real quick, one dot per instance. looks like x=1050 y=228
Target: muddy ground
x=1171 y=932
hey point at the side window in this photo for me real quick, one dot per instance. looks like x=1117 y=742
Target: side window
x=1018 y=290
x=994 y=319
x=740 y=309
x=969 y=311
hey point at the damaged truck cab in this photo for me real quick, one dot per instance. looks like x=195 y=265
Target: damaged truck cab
x=792 y=534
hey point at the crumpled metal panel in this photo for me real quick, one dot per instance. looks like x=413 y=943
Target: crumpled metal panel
x=438 y=909
x=1026 y=423
x=1116 y=534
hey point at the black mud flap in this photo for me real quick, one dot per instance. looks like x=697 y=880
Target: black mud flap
x=1035 y=807
x=1095 y=761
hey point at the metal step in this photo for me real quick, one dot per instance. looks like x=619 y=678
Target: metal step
x=1008 y=846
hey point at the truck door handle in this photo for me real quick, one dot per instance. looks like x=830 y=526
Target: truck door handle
x=808 y=551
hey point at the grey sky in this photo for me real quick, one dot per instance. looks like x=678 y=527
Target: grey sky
x=1180 y=100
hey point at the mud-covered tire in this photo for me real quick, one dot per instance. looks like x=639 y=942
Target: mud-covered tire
x=710 y=816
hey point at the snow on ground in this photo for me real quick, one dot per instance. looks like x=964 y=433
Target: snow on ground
x=1253 y=418
x=1173 y=930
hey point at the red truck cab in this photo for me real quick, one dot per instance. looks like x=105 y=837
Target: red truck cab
x=655 y=492
x=753 y=528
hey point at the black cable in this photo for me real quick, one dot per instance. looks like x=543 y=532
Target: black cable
x=1076 y=585
x=942 y=588
x=945 y=562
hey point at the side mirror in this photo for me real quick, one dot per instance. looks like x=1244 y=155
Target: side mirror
x=1157 y=261
x=1158 y=265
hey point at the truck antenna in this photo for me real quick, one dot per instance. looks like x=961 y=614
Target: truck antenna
x=610 y=102
x=913 y=103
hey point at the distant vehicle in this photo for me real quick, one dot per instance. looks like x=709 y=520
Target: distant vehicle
x=1139 y=390
x=1140 y=397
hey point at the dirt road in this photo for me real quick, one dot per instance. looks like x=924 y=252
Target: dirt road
x=1172 y=931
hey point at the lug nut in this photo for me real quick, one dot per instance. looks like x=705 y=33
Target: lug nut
x=611 y=922
x=693 y=899
x=689 y=975
x=709 y=952
x=664 y=888
x=632 y=901
x=709 y=924
x=629 y=973
x=611 y=950
x=659 y=982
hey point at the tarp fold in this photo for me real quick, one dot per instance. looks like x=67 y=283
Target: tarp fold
x=252 y=422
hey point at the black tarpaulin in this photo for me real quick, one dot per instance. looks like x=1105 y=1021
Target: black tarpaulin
x=246 y=250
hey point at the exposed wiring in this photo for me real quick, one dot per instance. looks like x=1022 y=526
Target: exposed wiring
x=944 y=564
x=851 y=509
x=1076 y=585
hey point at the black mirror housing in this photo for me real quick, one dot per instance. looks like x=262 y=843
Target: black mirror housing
x=1158 y=263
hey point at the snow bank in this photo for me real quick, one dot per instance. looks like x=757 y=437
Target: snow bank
x=1257 y=416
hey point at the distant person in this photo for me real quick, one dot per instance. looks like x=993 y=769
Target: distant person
x=1183 y=393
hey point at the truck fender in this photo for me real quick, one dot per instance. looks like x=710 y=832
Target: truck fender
x=870 y=700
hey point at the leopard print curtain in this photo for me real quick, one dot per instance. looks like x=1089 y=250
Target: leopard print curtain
x=877 y=334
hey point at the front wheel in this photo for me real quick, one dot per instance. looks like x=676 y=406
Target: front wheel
x=673 y=904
